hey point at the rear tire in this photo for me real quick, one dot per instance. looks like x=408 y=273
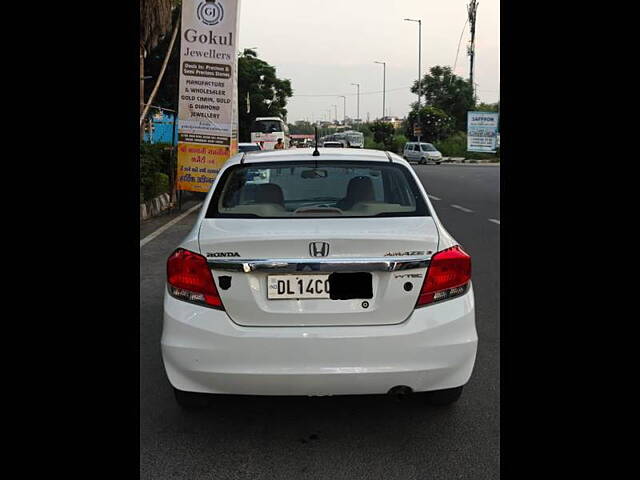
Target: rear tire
x=443 y=397
x=192 y=400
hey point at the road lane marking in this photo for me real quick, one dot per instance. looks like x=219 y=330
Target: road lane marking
x=494 y=221
x=432 y=197
x=168 y=225
x=461 y=208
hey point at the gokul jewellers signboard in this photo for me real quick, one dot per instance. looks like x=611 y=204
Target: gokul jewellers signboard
x=208 y=99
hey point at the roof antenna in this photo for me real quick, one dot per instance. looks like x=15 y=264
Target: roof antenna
x=316 y=153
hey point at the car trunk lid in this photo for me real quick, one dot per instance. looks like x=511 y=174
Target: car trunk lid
x=391 y=253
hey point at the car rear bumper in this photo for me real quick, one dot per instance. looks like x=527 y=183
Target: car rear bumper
x=204 y=351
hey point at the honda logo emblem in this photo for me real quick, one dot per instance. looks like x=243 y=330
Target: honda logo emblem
x=318 y=249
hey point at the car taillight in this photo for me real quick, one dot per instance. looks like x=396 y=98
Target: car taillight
x=190 y=279
x=448 y=276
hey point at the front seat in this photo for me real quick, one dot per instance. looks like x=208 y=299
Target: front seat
x=269 y=193
x=360 y=189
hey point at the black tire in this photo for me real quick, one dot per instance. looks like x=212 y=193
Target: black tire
x=438 y=163
x=423 y=161
x=192 y=400
x=443 y=397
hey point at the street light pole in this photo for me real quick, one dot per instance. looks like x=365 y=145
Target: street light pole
x=344 y=110
x=384 y=84
x=419 y=61
x=358 y=111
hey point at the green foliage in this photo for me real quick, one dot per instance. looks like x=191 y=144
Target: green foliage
x=398 y=143
x=159 y=184
x=383 y=133
x=448 y=92
x=155 y=168
x=267 y=93
x=453 y=146
x=487 y=107
x=436 y=124
x=369 y=142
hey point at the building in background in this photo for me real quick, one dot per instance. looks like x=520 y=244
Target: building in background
x=395 y=121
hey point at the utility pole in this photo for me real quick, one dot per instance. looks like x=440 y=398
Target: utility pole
x=344 y=110
x=471 y=10
x=358 y=114
x=384 y=85
x=335 y=107
x=419 y=55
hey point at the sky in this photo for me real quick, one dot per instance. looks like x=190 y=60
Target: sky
x=323 y=46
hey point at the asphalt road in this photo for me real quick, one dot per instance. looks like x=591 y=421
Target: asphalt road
x=336 y=437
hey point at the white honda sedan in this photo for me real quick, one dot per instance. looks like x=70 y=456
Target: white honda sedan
x=333 y=277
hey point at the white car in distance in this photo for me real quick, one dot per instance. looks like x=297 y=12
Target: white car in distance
x=333 y=277
x=422 y=153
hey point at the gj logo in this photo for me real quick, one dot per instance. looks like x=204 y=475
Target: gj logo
x=210 y=12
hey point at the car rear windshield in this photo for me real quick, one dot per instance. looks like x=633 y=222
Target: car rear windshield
x=427 y=147
x=304 y=189
x=266 y=126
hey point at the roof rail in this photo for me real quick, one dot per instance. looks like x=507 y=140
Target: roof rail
x=388 y=156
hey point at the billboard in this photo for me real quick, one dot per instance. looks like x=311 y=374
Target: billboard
x=482 y=131
x=208 y=98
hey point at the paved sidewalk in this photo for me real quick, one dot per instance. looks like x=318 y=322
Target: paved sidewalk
x=152 y=224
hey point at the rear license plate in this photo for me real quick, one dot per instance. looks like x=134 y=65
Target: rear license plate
x=280 y=287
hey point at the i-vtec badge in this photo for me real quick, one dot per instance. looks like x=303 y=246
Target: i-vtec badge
x=222 y=254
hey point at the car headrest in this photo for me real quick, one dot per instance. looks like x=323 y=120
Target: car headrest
x=360 y=189
x=269 y=193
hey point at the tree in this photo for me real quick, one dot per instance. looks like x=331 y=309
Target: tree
x=155 y=22
x=383 y=133
x=436 y=124
x=167 y=95
x=267 y=94
x=446 y=91
x=488 y=107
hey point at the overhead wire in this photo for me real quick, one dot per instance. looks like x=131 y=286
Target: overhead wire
x=459 y=42
x=348 y=94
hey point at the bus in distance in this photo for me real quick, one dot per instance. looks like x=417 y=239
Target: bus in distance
x=267 y=130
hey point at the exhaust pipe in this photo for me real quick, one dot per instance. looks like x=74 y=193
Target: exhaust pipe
x=400 y=391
